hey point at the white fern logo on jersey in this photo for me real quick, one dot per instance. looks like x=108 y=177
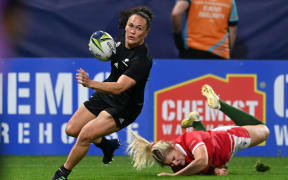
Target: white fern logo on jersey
x=118 y=44
x=125 y=61
x=116 y=65
x=121 y=120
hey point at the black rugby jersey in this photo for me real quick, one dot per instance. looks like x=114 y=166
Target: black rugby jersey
x=135 y=63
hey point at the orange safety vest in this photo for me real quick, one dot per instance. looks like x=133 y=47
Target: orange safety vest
x=207 y=26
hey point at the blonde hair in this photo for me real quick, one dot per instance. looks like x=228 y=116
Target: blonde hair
x=145 y=153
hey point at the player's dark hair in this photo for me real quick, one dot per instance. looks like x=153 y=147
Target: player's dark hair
x=142 y=11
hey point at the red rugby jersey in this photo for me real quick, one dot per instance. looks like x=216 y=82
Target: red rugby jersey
x=218 y=146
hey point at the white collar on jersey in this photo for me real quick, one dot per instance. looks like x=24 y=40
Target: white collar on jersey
x=181 y=149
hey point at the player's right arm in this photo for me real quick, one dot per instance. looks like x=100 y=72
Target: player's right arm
x=123 y=83
x=233 y=21
x=232 y=35
x=199 y=163
x=176 y=17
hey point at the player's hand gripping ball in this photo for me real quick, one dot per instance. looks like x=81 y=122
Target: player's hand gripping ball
x=102 y=45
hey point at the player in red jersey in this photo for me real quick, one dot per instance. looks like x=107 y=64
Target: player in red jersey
x=201 y=152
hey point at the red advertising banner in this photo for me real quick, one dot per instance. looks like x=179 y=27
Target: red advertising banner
x=173 y=104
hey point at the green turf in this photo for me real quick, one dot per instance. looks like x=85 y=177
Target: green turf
x=91 y=168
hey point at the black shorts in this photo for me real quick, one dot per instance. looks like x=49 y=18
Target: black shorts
x=123 y=116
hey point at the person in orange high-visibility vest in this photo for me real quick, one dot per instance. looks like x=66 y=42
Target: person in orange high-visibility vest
x=210 y=29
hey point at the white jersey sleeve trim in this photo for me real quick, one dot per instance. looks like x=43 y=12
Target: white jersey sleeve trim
x=181 y=149
x=197 y=145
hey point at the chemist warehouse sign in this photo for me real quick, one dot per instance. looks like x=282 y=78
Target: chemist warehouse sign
x=172 y=104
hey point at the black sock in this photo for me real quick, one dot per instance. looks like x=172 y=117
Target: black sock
x=108 y=147
x=63 y=171
x=103 y=144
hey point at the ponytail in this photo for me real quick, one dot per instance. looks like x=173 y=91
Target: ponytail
x=140 y=152
x=145 y=153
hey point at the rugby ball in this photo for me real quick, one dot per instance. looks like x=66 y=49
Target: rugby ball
x=102 y=45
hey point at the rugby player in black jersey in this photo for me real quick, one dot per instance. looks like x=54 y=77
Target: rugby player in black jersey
x=118 y=100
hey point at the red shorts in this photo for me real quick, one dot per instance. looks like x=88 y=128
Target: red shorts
x=239 y=137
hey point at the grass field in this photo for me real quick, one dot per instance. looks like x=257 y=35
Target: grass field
x=91 y=168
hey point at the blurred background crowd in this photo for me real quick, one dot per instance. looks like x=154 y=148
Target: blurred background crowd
x=61 y=28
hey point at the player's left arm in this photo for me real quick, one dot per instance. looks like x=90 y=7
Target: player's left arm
x=123 y=83
x=199 y=163
x=221 y=171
